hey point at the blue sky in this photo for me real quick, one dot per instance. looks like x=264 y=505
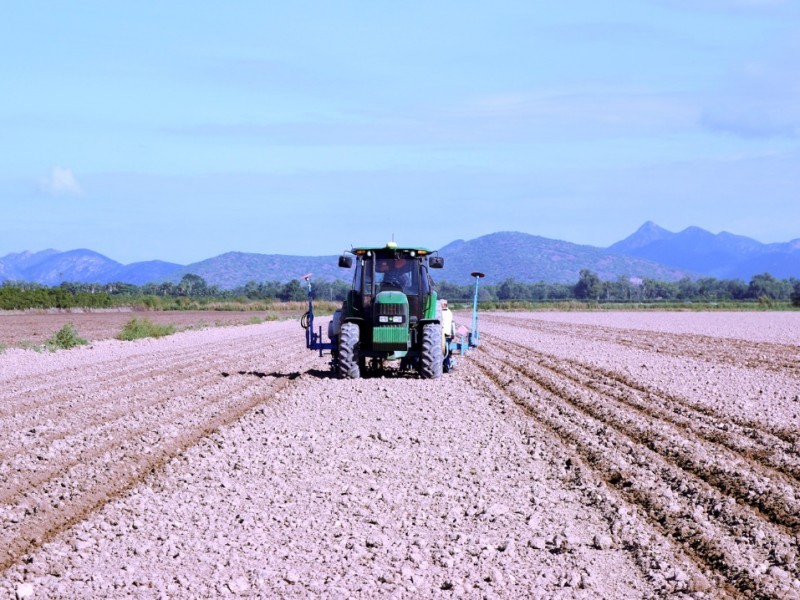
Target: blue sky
x=179 y=131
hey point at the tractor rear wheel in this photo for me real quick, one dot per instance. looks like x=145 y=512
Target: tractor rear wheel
x=431 y=356
x=348 y=351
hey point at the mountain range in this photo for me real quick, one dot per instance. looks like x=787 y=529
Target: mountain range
x=51 y=267
x=650 y=252
x=723 y=256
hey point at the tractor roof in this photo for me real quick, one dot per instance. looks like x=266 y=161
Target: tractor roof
x=391 y=249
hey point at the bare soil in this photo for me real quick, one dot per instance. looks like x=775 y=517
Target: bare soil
x=37 y=327
x=571 y=455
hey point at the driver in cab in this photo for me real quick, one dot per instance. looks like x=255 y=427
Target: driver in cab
x=393 y=274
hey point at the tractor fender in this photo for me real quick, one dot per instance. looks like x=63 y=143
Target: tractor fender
x=357 y=320
x=426 y=321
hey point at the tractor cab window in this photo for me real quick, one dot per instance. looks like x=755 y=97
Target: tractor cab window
x=398 y=274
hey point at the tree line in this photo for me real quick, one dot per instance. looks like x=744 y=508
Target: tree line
x=24 y=295
x=763 y=288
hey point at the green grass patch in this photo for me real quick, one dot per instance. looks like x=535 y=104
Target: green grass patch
x=29 y=345
x=136 y=329
x=200 y=325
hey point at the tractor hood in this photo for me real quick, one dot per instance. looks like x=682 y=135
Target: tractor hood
x=390 y=322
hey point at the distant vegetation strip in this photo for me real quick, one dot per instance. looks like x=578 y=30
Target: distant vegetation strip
x=192 y=293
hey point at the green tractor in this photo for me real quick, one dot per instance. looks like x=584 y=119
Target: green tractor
x=390 y=315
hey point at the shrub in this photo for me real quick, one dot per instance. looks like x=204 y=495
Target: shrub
x=64 y=339
x=143 y=328
x=151 y=302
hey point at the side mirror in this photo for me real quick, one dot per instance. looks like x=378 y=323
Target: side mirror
x=345 y=261
x=436 y=262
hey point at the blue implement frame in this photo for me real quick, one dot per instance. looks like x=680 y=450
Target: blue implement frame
x=313 y=338
x=472 y=338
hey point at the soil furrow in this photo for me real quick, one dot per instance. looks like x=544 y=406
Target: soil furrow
x=752 y=441
x=40 y=522
x=110 y=459
x=107 y=440
x=109 y=405
x=756 y=355
x=669 y=495
x=632 y=531
x=26 y=396
x=751 y=481
x=748 y=484
x=772 y=437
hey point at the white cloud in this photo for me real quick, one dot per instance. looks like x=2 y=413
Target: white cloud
x=61 y=182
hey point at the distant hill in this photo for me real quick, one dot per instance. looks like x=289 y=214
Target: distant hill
x=76 y=265
x=724 y=255
x=51 y=267
x=145 y=272
x=13 y=266
x=8 y=272
x=530 y=258
x=504 y=255
x=233 y=269
x=650 y=252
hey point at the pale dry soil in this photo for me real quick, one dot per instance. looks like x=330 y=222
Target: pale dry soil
x=37 y=326
x=570 y=456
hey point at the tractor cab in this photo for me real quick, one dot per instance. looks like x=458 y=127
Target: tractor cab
x=385 y=276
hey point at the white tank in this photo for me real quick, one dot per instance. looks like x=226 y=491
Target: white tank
x=335 y=324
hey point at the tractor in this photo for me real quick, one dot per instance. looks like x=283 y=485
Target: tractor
x=391 y=315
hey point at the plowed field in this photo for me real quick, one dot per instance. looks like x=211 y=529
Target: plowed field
x=620 y=455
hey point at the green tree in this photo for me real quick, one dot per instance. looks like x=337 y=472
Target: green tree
x=735 y=289
x=764 y=285
x=192 y=285
x=293 y=291
x=589 y=286
x=251 y=290
x=511 y=290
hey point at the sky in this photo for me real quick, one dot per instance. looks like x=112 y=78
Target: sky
x=182 y=130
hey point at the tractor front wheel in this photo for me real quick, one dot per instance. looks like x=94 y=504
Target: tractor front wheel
x=431 y=357
x=348 y=351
